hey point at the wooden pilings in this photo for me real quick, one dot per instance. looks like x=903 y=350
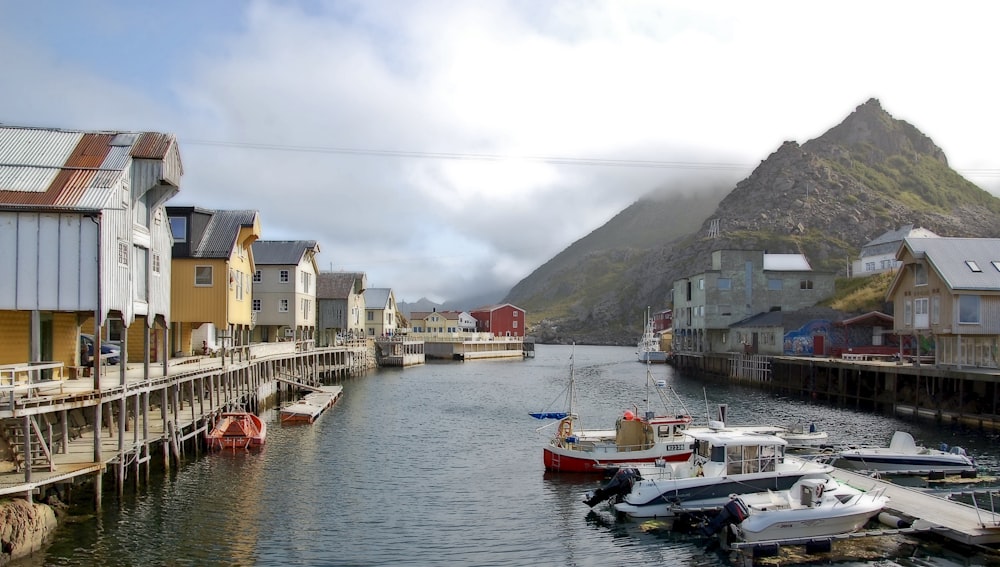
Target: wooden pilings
x=943 y=394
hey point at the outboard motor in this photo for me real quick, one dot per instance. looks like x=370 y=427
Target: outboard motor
x=734 y=512
x=618 y=486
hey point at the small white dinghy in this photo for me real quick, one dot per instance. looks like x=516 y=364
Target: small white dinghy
x=807 y=510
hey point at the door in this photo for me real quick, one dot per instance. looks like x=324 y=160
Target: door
x=819 y=345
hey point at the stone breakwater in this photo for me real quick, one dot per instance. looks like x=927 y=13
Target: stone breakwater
x=24 y=527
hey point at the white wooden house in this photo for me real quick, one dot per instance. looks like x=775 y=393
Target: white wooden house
x=85 y=238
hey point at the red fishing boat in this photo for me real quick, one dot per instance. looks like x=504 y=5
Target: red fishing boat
x=237 y=430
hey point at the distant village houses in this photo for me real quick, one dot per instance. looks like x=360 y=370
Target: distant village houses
x=284 y=298
x=879 y=255
x=739 y=285
x=504 y=320
x=340 y=299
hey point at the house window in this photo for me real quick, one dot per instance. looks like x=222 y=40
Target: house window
x=283 y=276
x=973 y=266
x=122 y=253
x=701 y=283
x=919 y=274
x=239 y=286
x=968 y=309
x=774 y=284
x=256 y=276
x=515 y=314
x=869 y=266
x=203 y=276
x=156 y=264
x=908 y=313
x=515 y=324
x=935 y=309
x=179 y=228
x=283 y=305
x=305 y=308
x=806 y=284
x=306 y=281
x=371 y=315
x=255 y=305
x=724 y=284
x=920 y=315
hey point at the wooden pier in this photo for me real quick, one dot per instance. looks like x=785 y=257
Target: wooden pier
x=63 y=430
x=958 y=521
x=399 y=351
x=967 y=396
x=472 y=349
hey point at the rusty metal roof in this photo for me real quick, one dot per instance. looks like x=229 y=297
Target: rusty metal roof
x=70 y=169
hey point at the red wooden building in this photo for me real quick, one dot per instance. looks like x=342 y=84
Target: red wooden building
x=502 y=320
x=663 y=320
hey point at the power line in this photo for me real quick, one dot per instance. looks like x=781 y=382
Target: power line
x=558 y=160
x=555 y=160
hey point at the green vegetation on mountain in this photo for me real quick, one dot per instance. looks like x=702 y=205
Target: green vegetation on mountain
x=825 y=199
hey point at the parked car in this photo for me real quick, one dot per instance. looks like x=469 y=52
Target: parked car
x=109 y=351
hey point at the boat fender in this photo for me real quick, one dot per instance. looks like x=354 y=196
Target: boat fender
x=699 y=471
x=893 y=521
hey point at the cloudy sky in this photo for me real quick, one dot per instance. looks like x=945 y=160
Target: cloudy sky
x=448 y=148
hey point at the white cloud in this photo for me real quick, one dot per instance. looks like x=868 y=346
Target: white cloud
x=720 y=82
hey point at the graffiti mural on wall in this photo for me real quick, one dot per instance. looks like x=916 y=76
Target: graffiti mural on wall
x=800 y=341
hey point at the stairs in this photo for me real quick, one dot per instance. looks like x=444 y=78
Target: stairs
x=12 y=431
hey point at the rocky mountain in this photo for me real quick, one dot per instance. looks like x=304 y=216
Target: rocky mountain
x=824 y=198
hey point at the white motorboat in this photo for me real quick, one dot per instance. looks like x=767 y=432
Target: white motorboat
x=804 y=436
x=903 y=455
x=725 y=461
x=636 y=438
x=811 y=508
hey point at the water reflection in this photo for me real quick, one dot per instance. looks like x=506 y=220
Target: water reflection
x=441 y=465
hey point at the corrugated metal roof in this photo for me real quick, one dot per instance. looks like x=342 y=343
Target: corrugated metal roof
x=221 y=232
x=335 y=285
x=950 y=257
x=44 y=167
x=281 y=252
x=786 y=263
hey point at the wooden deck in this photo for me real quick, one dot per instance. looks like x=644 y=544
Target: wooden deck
x=160 y=407
x=954 y=520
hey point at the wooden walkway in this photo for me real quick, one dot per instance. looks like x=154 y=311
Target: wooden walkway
x=144 y=411
x=954 y=520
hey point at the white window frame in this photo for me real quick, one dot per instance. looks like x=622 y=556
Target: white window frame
x=283 y=276
x=282 y=306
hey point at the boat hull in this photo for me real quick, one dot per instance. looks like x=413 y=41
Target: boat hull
x=903 y=463
x=825 y=520
x=564 y=459
x=665 y=498
x=653 y=356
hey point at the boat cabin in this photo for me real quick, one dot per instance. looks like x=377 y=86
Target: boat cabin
x=633 y=433
x=722 y=452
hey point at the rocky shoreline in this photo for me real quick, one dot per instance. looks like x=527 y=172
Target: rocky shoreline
x=25 y=527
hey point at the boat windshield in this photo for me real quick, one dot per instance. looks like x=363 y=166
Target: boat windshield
x=747 y=459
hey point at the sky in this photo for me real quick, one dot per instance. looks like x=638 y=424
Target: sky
x=449 y=148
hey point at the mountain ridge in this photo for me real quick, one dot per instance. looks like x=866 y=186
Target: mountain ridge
x=825 y=198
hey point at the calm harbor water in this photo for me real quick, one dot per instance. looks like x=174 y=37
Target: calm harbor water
x=441 y=465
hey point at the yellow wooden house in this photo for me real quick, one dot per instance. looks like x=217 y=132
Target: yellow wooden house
x=212 y=287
